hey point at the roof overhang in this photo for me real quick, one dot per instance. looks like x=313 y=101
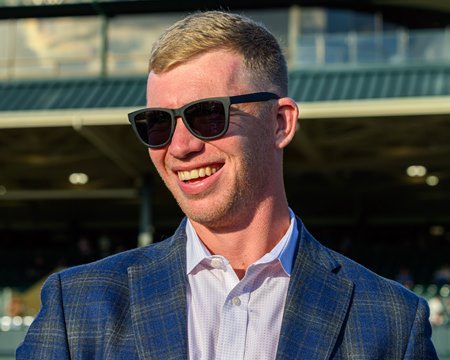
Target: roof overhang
x=359 y=130
x=77 y=118
x=69 y=117
x=376 y=108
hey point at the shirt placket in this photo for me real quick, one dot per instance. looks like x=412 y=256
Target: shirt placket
x=234 y=320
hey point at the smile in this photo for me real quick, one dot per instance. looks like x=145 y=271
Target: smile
x=197 y=173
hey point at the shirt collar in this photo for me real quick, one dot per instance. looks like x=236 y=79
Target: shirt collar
x=195 y=250
x=284 y=251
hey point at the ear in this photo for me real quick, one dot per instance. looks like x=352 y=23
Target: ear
x=287 y=116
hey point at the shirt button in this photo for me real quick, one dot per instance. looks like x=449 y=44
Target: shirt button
x=216 y=263
x=236 y=301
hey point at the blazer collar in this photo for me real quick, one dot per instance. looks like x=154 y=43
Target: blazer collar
x=317 y=303
x=158 y=299
x=316 y=306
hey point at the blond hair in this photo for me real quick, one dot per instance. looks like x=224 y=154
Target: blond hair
x=212 y=30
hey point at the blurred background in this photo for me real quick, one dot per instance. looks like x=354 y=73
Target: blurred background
x=368 y=171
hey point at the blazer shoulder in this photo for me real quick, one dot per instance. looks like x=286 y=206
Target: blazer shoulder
x=383 y=307
x=116 y=266
x=366 y=282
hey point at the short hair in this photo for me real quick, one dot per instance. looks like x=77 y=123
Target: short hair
x=214 y=30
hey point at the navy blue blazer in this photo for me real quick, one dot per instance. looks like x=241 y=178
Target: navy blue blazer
x=133 y=306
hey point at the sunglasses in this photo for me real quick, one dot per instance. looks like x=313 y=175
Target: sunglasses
x=206 y=119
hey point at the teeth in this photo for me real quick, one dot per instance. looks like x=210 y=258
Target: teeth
x=196 y=173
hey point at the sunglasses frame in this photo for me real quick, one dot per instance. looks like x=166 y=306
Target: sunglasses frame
x=226 y=101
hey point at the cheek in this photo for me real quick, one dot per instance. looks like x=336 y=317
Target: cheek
x=157 y=158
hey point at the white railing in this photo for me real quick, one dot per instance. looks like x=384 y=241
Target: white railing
x=396 y=47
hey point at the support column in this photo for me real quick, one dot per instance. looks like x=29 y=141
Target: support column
x=103 y=46
x=294 y=30
x=104 y=23
x=146 y=228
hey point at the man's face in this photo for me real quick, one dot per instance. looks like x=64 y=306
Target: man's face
x=215 y=182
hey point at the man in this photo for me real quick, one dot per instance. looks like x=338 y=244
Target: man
x=241 y=278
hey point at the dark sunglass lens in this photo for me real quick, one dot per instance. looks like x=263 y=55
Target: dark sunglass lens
x=154 y=126
x=206 y=118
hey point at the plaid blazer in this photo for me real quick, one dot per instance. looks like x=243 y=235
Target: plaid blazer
x=133 y=306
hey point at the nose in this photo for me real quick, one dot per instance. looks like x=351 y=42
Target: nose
x=183 y=142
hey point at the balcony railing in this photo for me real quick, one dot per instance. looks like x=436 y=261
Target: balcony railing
x=396 y=47
x=89 y=58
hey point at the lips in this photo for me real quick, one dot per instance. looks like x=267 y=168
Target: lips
x=198 y=173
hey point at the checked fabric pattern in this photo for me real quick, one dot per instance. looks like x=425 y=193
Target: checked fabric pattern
x=133 y=306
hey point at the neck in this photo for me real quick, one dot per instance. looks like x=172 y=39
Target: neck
x=245 y=241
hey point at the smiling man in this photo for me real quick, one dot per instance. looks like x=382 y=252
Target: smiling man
x=241 y=278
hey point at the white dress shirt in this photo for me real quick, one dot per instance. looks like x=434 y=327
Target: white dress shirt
x=232 y=319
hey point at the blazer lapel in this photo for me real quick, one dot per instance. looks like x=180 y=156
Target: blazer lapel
x=317 y=303
x=158 y=300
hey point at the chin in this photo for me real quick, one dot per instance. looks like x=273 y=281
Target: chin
x=207 y=212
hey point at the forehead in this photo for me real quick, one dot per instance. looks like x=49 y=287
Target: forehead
x=212 y=74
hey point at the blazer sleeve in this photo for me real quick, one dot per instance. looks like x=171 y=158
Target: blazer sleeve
x=419 y=345
x=47 y=337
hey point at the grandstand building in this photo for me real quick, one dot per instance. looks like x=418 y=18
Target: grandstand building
x=368 y=171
